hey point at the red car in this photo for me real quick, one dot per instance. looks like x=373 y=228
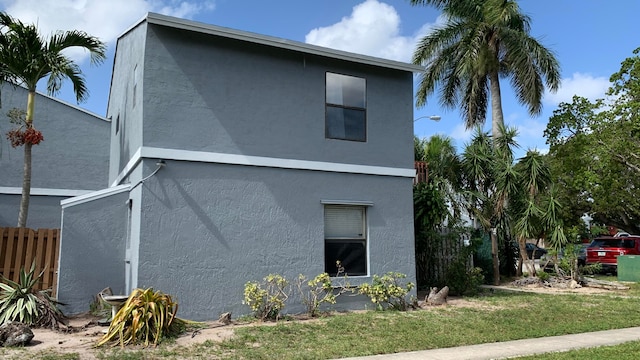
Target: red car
x=606 y=249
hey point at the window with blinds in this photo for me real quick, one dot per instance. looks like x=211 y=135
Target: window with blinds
x=345 y=233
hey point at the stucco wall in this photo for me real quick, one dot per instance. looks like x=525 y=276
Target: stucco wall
x=92 y=251
x=212 y=94
x=125 y=98
x=73 y=156
x=44 y=211
x=207 y=229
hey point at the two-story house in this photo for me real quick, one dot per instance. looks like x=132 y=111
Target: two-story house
x=235 y=155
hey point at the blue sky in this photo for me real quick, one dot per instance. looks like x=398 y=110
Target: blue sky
x=589 y=37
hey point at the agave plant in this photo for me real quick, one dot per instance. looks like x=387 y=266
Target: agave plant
x=19 y=301
x=145 y=318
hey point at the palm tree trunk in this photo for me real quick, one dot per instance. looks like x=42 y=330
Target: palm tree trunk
x=26 y=177
x=497 y=117
x=26 y=187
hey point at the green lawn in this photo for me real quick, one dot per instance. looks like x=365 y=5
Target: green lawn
x=490 y=317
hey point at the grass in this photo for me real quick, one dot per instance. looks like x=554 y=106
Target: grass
x=626 y=351
x=490 y=317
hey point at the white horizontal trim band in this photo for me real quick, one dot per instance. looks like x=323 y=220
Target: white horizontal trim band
x=43 y=191
x=133 y=162
x=221 y=158
x=233 y=159
x=95 y=195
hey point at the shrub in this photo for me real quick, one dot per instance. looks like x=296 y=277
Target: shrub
x=388 y=291
x=146 y=317
x=319 y=290
x=463 y=280
x=267 y=299
x=543 y=276
x=19 y=301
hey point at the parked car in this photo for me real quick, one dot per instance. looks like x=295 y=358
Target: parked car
x=534 y=251
x=606 y=249
x=581 y=257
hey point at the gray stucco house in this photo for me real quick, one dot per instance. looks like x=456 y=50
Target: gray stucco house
x=72 y=160
x=235 y=155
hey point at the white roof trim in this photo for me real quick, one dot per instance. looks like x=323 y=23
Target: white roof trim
x=347 y=202
x=76 y=107
x=94 y=195
x=163 y=20
x=5 y=190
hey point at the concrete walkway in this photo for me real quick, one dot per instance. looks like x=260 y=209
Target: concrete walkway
x=508 y=349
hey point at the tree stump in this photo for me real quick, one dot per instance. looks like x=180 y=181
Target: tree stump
x=436 y=297
x=225 y=318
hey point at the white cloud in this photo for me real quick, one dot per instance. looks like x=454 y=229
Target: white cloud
x=373 y=28
x=103 y=19
x=584 y=85
x=461 y=134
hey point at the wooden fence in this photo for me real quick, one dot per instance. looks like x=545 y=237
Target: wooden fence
x=20 y=247
x=435 y=257
x=422 y=172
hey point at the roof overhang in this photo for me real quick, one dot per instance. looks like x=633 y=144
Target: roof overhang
x=189 y=25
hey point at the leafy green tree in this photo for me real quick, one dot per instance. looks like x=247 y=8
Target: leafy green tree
x=483 y=41
x=514 y=200
x=595 y=152
x=444 y=170
x=25 y=59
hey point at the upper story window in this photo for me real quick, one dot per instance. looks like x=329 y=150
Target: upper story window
x=346 y=112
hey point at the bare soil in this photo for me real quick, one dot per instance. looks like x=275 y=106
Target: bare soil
x=84 y=332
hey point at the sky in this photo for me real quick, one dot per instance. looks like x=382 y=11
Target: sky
x=590 y=38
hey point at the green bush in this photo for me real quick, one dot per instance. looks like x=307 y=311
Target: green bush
x=267 y=299
x=317 y=291
x=388 y=291
x=464 y=281
x=19 y=301
x=543 y=276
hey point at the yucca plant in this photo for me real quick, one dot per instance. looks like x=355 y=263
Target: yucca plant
x=145 y=318
x=19 y=301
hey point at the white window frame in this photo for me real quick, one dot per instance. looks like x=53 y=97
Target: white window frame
x=362 y=237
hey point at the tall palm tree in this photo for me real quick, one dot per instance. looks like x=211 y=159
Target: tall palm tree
x=25 y=59
x=483 y=41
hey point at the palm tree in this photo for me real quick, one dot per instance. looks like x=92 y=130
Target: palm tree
x=483 y=41
x=25 y=59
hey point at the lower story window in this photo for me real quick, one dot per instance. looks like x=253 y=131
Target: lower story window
x=345 y=244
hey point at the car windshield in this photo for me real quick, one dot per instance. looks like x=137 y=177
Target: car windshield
x=613 y=243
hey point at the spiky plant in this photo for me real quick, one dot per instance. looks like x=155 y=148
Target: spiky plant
x=19 y=301
x=145 y=318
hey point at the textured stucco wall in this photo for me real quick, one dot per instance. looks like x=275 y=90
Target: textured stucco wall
x=73 y=156
x=124 y=106
x=44 y=211
x=92 y=251
x=211 y=94
x=201 y=230
x=207 y=229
